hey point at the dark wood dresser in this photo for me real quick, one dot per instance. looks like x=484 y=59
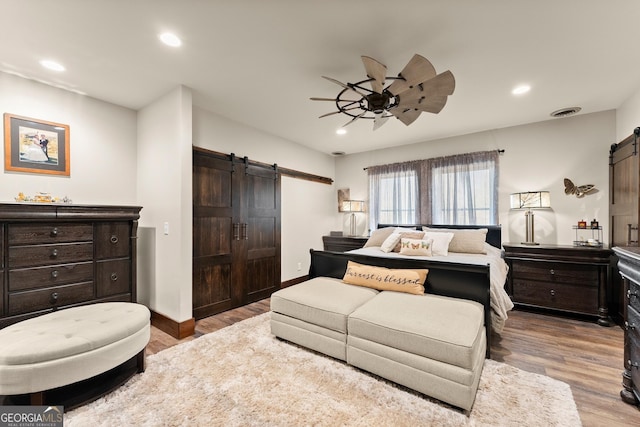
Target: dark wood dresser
x=571 y=279
x=56 y=256
x=343 y=243
x=629 y=268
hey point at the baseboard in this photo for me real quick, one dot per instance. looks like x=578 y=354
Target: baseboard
x=187 y=328
x=177 y=330
x=294 y=281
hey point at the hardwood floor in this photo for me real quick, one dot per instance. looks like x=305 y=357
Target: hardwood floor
x=580 y=353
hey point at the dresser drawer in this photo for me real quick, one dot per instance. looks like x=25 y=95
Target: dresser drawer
x=633 y=331
x=41 y=299
x=555 y=272
x=113 y=277
x=561 y=296
x=112 y=240
x=634 y=295
x=26 y=256
x=42 y=277
x=26 y=234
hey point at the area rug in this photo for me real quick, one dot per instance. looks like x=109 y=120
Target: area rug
x=243 y=376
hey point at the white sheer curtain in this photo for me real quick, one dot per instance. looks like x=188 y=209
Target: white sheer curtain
x=461 y=189
x=394 y=194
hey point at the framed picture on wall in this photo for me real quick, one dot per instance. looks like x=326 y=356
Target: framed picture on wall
x=35 y=146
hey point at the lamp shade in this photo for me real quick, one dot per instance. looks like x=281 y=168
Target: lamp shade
x=352 y=206
x=531 y=200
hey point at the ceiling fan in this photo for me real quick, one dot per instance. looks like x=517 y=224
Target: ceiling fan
x=416 y=89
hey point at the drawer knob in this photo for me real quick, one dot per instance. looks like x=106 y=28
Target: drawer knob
x=114 y=239
x=114 y=277
x=54 y=253
x=54 y=274
x=631 y=294
x=628 y=325
x=54 y=232
x=54 y=298
x=553 y=292
x=633 y=365
x=552 y=272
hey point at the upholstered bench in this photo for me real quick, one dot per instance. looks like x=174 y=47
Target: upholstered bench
x=433 y=344
x=314 y=313
x=71 y=345
x=429 y=343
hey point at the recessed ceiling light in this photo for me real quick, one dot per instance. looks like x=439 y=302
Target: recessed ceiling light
x=519 y=90
x=51 y=65
x=170 y=39
x=341 y=131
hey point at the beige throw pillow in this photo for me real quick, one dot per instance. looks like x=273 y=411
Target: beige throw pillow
x=379 y=236
x=470 y=241
x=386 y=279
x=408 y=235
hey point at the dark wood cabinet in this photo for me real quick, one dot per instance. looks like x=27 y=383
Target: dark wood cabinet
x=624 y=208
x=57 y=256
x=564 y=278
x=236 y=232
x=343 y=243
x=629 y=269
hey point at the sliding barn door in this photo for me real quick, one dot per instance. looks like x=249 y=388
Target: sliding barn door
x=236 y=232
x=216 y=197
x=624 y=208
x=262 y=231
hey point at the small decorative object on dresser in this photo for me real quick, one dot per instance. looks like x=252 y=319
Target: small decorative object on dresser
x=571 y=279
x=629 y=267
x=55 y=256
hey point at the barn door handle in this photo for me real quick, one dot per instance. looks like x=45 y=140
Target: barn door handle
x=236 y=231
x=245 y=236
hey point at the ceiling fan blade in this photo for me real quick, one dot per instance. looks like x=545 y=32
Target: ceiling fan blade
x=376 y=71
x=354 y=119
x=433 y=104
x=340 y=111
x=418 y=70
x=339 y=83
x=379 y=120
x=406 y=116
x=442 y=84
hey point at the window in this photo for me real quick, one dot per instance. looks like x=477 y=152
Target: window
x=461 y=189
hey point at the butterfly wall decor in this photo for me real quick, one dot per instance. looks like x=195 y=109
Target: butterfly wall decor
x=578 y=190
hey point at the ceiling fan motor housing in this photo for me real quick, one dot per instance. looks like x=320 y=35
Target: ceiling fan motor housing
x=379 y=102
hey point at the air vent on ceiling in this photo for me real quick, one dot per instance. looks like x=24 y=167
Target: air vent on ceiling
x=338 y=153
x=564 y=112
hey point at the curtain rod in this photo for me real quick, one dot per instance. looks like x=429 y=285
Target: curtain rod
x=499 y=150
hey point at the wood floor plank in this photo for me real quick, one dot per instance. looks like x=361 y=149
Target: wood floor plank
x=580 y=353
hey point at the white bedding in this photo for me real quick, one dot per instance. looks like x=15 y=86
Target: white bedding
x=500 y=301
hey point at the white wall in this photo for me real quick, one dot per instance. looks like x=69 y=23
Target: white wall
x=537 y=157
x=102 y=144
x=307 y=207
x=628 y=116
x=164 y=183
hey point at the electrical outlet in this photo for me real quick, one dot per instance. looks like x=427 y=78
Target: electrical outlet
x=166 y=228
x=299 y=266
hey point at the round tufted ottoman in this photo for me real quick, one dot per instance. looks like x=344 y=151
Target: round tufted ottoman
x=71 y=345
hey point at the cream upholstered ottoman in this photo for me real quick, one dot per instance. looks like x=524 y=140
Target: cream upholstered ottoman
x=71 y=345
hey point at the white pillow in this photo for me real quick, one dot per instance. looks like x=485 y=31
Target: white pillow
x=390 y=242
x=416 y=246
x=440 y=242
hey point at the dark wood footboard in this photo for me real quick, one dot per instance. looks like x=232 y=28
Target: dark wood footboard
x=455 y=280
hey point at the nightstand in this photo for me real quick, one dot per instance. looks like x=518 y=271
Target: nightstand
x=343 y=243
x=565 y=278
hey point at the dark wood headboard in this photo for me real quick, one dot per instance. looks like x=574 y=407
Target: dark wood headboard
x=494 y=232
x=466 y=281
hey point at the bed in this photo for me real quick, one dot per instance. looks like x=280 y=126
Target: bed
x=457 y=270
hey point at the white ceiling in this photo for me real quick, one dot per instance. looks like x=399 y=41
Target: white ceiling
x=257 y=62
